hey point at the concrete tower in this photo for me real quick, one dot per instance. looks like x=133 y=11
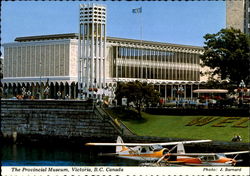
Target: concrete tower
x=238 y=15
x=91 y=50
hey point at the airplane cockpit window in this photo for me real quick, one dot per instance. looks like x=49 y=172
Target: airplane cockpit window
x=143 y=150
x=208 y=158
x=216 y=157
x=203 y=158
x=157 y=147
x=211 y=158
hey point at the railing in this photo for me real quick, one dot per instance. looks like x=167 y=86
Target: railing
x=104 y=116
x=117 y=124
x=126 y=130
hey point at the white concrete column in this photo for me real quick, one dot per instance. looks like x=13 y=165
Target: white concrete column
x=157 y=65
x=165 y=92
x=191 y=91
x=141 y=65
x=116 y=62
x=172 y=91
x=125 y=62
x=59 y=87
x=55 y=92
x=42 y=90
x=70 y=91
x=64 y=90
x=185 y=91
x=74 y=91
x=104 y=51
x=130 y=65
x=32 y=89
x=161 y=65
x=153 y=65
x=97 y=58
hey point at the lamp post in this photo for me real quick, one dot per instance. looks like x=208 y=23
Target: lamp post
x=174 y=90
x=59 y=94
x=180 y=91
x=23 y=92
x=46 y=92
x=29 y=93
x=242 y=85
x=40 y=81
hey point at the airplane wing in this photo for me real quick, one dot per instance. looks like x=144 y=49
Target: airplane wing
x=118 y=144
x=147 y=144
x=193 y=154
x=208 y=154
x=234 y=153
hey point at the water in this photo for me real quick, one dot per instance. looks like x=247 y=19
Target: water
x=70 y=155
x=57 y=155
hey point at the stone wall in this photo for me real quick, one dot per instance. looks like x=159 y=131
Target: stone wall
x=74 y=121
x=55 y=119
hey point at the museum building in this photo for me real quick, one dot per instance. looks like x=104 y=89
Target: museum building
x=90 y=64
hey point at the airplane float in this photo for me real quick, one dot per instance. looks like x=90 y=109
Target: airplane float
x=155 y=152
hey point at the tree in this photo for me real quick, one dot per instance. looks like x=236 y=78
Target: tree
x=138 y=93
x=216 y=84
x=227 y=54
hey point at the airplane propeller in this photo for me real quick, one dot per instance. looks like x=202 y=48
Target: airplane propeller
x=235 y=157
x=238 y=161
x=234 y=162
x=166 y=154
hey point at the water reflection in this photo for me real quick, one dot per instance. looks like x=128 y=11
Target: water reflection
x=35 y=155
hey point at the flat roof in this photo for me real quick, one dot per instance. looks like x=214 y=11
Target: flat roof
x=152 y=42
x=47 y=37
x=75 y=36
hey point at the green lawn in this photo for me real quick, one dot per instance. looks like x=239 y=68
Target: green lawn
x=175 y=126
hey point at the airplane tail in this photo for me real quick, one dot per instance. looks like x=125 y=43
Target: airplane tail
x=180 y=150
x=119 y=148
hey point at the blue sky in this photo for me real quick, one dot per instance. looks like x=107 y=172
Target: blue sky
x=171 y=22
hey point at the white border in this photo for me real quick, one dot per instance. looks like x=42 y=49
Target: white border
x=122 y=171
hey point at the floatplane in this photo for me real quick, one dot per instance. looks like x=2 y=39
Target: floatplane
x=154 y=154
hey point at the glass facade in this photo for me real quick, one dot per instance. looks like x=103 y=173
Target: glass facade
x=143 y=63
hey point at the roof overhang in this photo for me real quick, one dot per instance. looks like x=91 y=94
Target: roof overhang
x=210 y=91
